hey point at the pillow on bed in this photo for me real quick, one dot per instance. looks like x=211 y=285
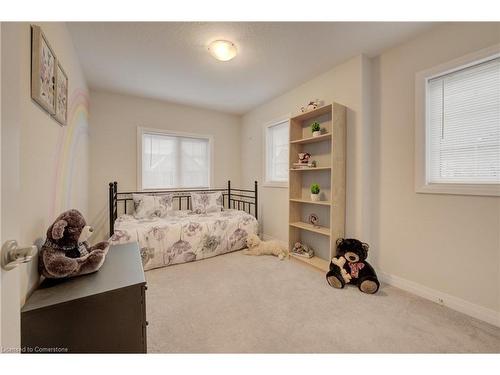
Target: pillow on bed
x=144 y=206
x=202 y=203
x=147 y=206
x=164 y=204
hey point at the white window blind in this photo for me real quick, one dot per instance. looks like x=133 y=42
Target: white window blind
x=463 y=125
x=170 y=161
x=277 y=153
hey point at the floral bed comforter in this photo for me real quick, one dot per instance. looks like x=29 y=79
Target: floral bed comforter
x=185 y=236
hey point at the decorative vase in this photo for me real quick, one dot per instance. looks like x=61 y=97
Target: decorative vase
x=317 y=133
x=315 y=197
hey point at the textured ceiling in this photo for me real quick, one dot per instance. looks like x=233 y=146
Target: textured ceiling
x=169 y=60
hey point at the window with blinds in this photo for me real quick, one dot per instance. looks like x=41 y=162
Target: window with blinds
x=463 y=125
x=172 y=161
x=277 y=153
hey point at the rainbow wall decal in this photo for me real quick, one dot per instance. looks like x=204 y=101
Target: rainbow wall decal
x=75 y=132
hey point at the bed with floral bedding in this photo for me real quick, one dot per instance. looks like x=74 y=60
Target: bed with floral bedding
x=184 y=235
x=173 y=227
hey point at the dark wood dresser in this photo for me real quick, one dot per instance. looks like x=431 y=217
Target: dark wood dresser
x=104 y=312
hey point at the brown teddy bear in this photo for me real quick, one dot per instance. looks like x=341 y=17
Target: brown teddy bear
x=66 y=252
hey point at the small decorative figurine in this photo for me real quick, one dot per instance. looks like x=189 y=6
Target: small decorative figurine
x=304 y=157
x=304 y=161
x=312 y=105
x=314 y=220
x=302 y=250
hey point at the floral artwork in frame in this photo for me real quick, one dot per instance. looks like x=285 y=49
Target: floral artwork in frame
x=61 y=110
x=43 y=70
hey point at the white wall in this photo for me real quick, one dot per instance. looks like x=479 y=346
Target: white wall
x=448 y=243
x=439 y=246
x=113 y=139
x=344 y=84
x=44 y=165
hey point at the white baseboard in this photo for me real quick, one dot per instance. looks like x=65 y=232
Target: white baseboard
x=455 y=303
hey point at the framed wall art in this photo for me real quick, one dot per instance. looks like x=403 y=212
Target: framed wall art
x=61 y=110
x=43 y=71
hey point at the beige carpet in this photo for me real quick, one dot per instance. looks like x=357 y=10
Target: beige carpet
x=241 y=304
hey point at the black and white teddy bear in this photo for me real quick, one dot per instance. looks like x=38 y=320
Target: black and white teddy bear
x=349 y=266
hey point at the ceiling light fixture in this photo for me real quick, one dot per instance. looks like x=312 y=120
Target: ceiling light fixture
x=222 y=50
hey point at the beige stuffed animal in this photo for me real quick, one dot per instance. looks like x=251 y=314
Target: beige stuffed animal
x=258 y=247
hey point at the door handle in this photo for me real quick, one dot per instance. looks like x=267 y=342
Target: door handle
x=13 y=255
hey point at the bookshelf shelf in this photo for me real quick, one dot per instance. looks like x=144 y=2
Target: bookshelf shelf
x=305 y=141
x=311 y=169
x=316 y=229
x=326 y=109
x=321 y=203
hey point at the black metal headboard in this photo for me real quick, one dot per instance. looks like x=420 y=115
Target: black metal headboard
x=246 y=200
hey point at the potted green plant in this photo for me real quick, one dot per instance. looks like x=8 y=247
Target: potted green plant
x=316 y=129
x=315 y=193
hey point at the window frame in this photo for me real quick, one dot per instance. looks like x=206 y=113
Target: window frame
x=144 y=130
x=422 y=146
x=267 y=181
